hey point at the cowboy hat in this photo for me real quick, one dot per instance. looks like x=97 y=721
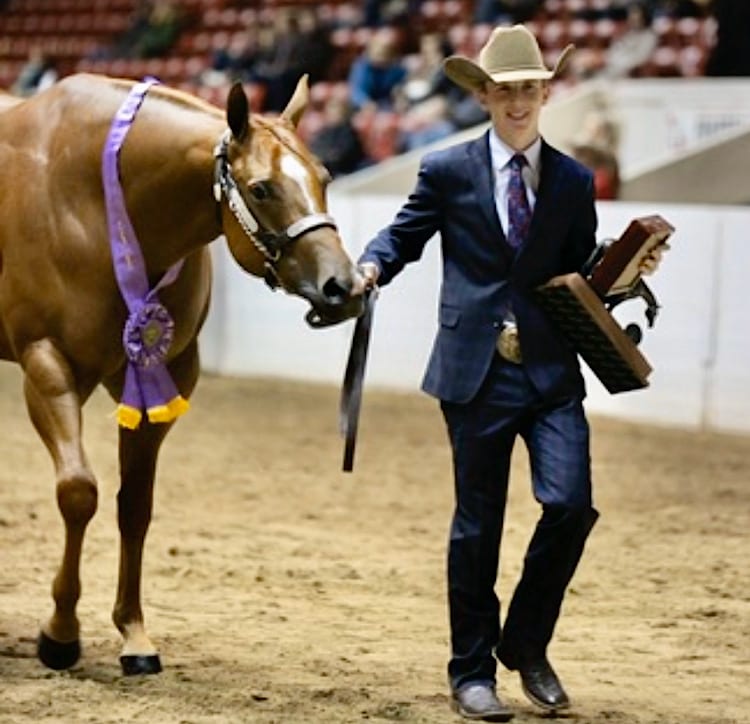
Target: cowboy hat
x=510 y=54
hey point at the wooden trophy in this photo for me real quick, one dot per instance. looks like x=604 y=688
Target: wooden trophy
x=580 y=305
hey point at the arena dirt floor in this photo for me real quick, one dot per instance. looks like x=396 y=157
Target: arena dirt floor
x=280 y=589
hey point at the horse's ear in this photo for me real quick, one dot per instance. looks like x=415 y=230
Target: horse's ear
x=298 y=102
x=237 y=112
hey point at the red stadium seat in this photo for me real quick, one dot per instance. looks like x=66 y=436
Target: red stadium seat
x=552 y=10
x=581 y=33
x=554 y=34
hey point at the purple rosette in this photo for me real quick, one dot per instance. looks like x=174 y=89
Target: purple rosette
x=148 y=335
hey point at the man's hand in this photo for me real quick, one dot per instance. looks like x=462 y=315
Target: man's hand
x=370 y=271
x=650 y=263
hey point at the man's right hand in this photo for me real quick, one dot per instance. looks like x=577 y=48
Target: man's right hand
x=370 y=272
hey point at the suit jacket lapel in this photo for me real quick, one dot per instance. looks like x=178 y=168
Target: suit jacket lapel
x=548 y=191
x=483 y=178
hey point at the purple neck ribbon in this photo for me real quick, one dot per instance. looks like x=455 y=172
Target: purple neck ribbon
x=149 y=329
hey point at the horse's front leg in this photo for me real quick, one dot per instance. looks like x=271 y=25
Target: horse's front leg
x=54 y=404
x=139 y=450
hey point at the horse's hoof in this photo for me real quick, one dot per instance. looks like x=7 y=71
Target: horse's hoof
x=135 y=664
x=57 y=655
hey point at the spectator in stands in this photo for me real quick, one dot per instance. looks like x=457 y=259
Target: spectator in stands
x=623 y=57
x=731 y=54
x=604 y=165
x=155 y=27
x=505 y=11
x=236 y=61
x=635 y=46
x=425 y=97
x=424 y=123
x=280 y=65
x=315 y=50
x=377 y=73
x=161 y=31
x=37 y=74
x=426 y=79
x=680 y=8
x=337 y=144
x=596 y=146
x=382 y=13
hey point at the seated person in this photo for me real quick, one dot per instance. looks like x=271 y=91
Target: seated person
x=377 y=73
x=337 y=144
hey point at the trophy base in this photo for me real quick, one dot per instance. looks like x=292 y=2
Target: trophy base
x=582 y=317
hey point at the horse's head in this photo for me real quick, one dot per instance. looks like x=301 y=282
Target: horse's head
x=274 y=211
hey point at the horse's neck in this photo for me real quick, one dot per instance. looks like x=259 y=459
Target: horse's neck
x=166 y=168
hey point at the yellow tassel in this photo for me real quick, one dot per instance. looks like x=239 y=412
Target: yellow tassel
x=166 y=413
x=179 y=406
x=128 y=417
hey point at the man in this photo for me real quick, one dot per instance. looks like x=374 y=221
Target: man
x=512 y=212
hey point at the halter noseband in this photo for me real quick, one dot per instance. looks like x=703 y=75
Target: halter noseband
x=269 y=243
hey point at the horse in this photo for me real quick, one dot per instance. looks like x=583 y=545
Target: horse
x=189 y=173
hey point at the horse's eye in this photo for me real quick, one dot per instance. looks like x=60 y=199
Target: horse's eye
x=260 y=191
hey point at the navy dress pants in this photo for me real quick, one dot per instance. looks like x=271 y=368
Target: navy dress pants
x=482 y=433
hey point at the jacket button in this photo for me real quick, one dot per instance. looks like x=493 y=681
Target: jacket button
x=496 y=325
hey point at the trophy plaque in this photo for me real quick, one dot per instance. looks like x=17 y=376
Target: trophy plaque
x=617 y=271
x=580 y=305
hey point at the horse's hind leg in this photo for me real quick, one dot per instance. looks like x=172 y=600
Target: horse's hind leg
x=139 y=450
x=54 y=406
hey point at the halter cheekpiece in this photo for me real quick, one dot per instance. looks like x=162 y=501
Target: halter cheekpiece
x=269 y=243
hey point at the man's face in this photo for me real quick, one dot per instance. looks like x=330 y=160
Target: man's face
x=514 y=109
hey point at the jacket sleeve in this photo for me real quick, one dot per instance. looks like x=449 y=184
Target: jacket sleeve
x=418 y=220
x=582 y=236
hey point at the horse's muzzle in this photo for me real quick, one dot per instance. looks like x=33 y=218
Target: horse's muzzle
x=326 y=315
x=337 y=299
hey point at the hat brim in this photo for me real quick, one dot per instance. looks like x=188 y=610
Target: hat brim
x=472 y=77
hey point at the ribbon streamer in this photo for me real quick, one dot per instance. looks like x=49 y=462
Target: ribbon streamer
x=149 y=329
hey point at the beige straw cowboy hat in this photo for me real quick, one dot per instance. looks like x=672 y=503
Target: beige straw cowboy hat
x=511 y=54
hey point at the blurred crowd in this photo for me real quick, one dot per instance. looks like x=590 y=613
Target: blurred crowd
x=392 y=91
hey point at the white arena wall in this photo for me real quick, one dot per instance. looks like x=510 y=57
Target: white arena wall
x=699 y=348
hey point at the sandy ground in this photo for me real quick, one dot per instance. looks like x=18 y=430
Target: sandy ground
x=280 y=589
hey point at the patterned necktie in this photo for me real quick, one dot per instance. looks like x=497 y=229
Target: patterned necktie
x=519 y=211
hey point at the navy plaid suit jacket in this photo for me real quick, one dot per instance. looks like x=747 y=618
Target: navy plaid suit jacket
x=454 y=197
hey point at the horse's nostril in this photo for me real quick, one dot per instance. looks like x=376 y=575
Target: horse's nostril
x=336 y=291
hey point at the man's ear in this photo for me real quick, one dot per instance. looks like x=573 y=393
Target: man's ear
x=480 y=94
x=546 y=90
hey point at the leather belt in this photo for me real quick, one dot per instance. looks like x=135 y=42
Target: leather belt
x=508 y=344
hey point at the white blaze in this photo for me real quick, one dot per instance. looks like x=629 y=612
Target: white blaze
x=293 y=168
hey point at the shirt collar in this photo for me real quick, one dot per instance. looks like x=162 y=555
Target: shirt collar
x=501 y=153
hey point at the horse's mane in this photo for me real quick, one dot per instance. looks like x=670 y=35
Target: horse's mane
x=281 y=130
x=278 y=127
x=178 y=97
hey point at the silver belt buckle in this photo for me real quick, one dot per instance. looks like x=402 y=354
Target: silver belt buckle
x=508 y=344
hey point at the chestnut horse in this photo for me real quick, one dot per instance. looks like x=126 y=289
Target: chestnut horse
x=189 y=173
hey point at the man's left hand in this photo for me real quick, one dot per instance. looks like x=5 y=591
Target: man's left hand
x=650 y=263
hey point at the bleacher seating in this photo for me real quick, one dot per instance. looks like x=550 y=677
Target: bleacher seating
x=72 y=31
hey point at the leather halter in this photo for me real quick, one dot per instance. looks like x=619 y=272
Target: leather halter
x=270 y=243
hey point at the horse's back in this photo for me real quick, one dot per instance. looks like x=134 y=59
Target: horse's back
x=57 y=276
